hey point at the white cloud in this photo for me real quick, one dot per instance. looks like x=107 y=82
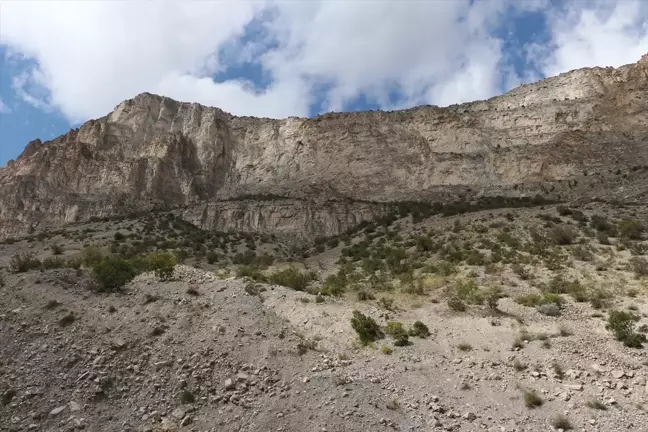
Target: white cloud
x=92 y=55
x=597 y=33
x=4 y=109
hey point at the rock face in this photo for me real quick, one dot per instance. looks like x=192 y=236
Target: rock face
x=580 y=135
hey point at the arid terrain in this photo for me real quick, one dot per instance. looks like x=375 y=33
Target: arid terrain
x=526 y=313
x=479 y=267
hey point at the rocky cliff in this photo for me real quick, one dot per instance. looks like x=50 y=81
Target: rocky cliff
x=580 y=135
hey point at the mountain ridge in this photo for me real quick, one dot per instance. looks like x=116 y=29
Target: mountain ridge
x=564 y=138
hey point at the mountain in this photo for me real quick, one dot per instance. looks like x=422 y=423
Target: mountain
x=582 y=135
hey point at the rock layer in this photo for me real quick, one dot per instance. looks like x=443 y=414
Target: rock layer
x=580 y=135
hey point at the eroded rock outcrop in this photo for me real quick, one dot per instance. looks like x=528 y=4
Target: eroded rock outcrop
x=580 y=135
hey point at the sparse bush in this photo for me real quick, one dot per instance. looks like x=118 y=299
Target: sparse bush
x=91 y=256
x=493 y=295
x=639 y=266
x=163 y=264
x=212 y=257
x=518 y=365
x=119 y=236
x=386 y=350
x=528 y=300
x=114 y=272
x=395 y=328
x=456 y=304
x=558 y=370
x=292 y=278
x=596 y=404
x=54 y=262
x=561 y=422
x=186 y=397
x=469 y=292
x=57 y=249
x=632 y=229
x=364 y=295
x=562 y=234
x=419 y=329
x=386 y=303
x=367 y=329
x=532 y=399
x=67 y=320
x=464 y=347
x=23 y=262
x=335 y=285
x=622 y=325
x=401 y=340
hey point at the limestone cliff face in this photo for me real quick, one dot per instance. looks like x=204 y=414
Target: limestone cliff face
x=580 y=135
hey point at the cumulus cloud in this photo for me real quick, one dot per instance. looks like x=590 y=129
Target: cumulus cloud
x=597 y=33
x=90 y=56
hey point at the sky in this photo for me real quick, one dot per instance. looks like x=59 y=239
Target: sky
x=63 y=63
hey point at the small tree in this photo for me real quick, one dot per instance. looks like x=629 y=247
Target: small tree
x=368 y=330
x=114 y=272
x=163 y=263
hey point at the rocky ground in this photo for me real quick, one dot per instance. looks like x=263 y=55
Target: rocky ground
x=209 y=351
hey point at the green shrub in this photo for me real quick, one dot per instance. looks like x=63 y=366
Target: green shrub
x=386 y=349
x=292 y=278
x=493 y=295
x=336 y=284
x=560 y=422
x=163 y=264
x=419 y=329
x=186 y=397
x=532 y=399
x=469 y=292
x=364 y=295
x=639 y=266
x=250 y=271
x=367 y=329
x=632 y=229
x=395 y=328
x=114 y=272
x=23 y=262
x=402 y=340
x=562 y=234
x=212 y=257
x=54 y=262
x=91 y=256
x=622 y=325
x=528 y=300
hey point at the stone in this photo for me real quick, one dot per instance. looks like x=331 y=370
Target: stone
x=178 y=413
x=578 y=387
x=168 y=425
x=618 y=374
x=470 y=416
x=229 y=384
x=74 y=407
x=118 y=344
x=57 y=410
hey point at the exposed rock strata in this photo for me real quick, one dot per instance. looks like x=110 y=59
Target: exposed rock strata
x=580 y=135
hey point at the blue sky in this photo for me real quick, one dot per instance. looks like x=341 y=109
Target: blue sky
x=61 y=64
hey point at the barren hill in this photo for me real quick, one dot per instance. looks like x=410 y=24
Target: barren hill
x=580 y=135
